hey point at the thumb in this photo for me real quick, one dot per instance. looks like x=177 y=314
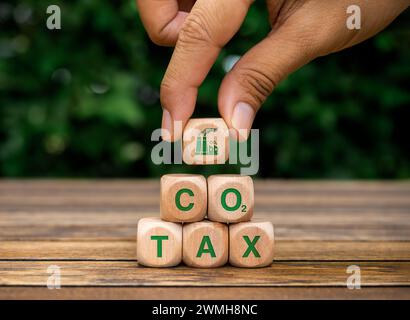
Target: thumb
x=254 y=76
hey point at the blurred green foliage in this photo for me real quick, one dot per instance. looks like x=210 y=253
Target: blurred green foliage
x=82 y=101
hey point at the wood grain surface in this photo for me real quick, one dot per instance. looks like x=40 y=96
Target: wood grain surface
x=88 y=229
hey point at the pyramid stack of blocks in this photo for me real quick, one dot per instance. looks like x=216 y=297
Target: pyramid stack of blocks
x=205 y=222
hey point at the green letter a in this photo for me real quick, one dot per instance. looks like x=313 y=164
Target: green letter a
x=206 y=241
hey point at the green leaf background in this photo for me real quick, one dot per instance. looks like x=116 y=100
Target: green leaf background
x=82 y=101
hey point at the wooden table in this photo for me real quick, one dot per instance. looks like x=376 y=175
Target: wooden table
x=88 y=230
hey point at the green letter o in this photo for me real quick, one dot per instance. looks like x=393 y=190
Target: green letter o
x=238 y=199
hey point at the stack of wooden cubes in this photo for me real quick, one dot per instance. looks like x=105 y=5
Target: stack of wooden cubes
x=205 y=222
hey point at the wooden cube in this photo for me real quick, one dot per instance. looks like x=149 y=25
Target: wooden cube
x=159 y=243
x=251 y=244
x=183 y=197
x=205 y=244
x=206 y=141
x=230 y=198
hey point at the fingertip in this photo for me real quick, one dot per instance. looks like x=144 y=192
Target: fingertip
x=166 y=126
x=171 y=130
x=178 y=105
x=238 y=114
x=242 y=119
x=226 y=100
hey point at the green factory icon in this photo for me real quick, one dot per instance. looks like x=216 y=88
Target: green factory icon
x=204 y=146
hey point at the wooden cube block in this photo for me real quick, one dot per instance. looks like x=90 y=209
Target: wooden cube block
x=159 y=243
x=205 y=244
x=206 y=141
x=230 y=198
x=183 y=197
x=251 y=244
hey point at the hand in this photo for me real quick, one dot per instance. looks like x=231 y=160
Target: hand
x=302 y=30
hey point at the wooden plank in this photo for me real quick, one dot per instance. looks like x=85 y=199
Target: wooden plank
x=131 y=192
x=44 y=232
x=125 y=249
x=139 y=187
x=203 y=293
x=145 y=184
x=290 y=232
x=80 y=185
x=344 y=232
x=342 y=250
x=128 y=273
x=110 y=217
x=334 y=185
x=292 y=225
x=68 y=250
x=271 y=200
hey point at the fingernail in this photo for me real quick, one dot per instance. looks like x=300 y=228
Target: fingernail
x=166 y=125
x=242 y=119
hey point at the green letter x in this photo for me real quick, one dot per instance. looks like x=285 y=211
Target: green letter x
x=251 y=247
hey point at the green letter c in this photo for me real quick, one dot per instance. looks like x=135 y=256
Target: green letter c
x=178 y=199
